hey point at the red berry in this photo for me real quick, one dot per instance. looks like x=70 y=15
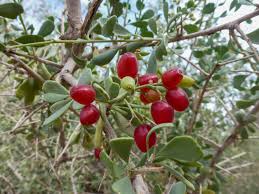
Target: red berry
x=143 y=98
x=83 y=94
x=162 y=112
x=172 y=78
x=148 y=78
x=97 y=152
x=89 y=115
x=178 y=99
x=127 y=66
x=140 y=135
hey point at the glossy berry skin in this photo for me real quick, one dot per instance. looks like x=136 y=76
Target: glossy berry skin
x=162 y=112
x=97 y=152
x=140 y=135
x=178 y=99
x=148 y=78
x=83 y=94
x=127 y=65
x=143 y=98
x=171 y=78
x=89 y=115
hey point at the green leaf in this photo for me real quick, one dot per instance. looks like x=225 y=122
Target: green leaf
x=79 y=60
x=10 y=10
x=254 y=36
x=97 y=29
x=46 y=28
x=120 y=30
x=104 y=58
x=179 y=176
x=54 y=87
x=152 y=25
x=52 y=97
x=57 y=114
x=161 y=50
x=27 y=90
x=242 y=104
x=122 y=146
x=238 y=80
x=191 y=28
x=106 y=160
x=165 y=9
x=29 y=39
x=182 y=148
x=140 y=5
x=131 y=47
x=208 y=191
x=209 y=8
x=2 y=47
x=109 y=26
x=77 y=106
x=178 y=188
x=58 y=105
x=148 y=14
x=86 y=77
x=152 y=63
x=140 y=24
x=114 y=90
x=123 y=186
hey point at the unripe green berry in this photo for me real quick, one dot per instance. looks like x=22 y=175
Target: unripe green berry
x=128 y=83
x=186 y=82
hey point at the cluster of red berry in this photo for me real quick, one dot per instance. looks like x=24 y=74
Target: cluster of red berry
x=162 y=111
x=85 y=94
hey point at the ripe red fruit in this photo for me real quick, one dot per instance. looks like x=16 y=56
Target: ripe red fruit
x=148 y=78
x=89 y=115
x=162 y=112
x=171 y=78
x=97 y=152
x=143 y=98
x=127 y=65
x=178 y=99
x=83 y=94
x=140 y=135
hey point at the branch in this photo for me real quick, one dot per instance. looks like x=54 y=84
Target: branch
x=139 y=185
x=27 y=69
x=74 y=19
x=89 y=17
x=230 y=140
x=196 y=106
x=226 y=26
x=247 y=39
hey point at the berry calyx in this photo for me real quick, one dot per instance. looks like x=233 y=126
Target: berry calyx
x=127 y=65
x=148 y=78
x=83 y=94
x=140 y=135
x=97 y=153
x=162 y=112
x=178 y=99
x=128 y=83
x=89 y=115
x=171 y=78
